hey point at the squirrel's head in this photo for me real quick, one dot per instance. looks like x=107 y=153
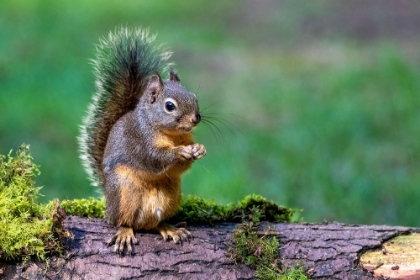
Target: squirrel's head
x=170 y=106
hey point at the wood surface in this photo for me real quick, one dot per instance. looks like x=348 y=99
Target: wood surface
x=327 y=251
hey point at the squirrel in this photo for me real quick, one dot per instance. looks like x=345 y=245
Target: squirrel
x=136 y=139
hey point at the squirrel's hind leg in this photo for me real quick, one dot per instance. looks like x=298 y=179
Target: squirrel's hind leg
x=177 y=234
x=124 y=236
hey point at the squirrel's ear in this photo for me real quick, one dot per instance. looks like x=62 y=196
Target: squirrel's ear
x=174 y=76
x=154 y=85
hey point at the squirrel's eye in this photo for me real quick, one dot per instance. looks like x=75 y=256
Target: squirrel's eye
x=170 y=106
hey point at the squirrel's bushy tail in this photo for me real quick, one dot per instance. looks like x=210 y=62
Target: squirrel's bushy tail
x=124 y=61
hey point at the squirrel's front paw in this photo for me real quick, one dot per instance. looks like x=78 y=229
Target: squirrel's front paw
x=124 y=236
x=198 y=151
x=192 y=152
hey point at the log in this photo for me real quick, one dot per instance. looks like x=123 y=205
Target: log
x=326 y=251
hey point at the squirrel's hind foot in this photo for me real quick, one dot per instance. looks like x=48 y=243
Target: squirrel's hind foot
x=124 y=236
x=177 y=234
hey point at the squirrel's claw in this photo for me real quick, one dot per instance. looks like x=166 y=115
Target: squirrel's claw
x=177 y=234
x=124 y=236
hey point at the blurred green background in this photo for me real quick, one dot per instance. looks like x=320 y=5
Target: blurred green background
x=318 y=102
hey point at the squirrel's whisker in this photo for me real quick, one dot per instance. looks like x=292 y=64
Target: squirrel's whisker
x=217 y=133
x=221 y=119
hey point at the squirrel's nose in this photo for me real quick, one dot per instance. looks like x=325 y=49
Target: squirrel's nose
x=196 y=118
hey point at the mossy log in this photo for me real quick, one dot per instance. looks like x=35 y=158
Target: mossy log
x=326 y=251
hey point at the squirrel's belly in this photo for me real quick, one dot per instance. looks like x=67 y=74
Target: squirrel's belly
x=157 y=205
x=145 y=199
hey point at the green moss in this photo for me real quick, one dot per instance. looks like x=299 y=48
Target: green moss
x=199 y=210
x=195 y=209
x=91 y=207
x=294 y=273
x=251 y=249
x=27 y=226
x=260 y=253
x=256 y=206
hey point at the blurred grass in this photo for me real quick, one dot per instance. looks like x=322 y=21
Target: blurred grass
x=320 y=101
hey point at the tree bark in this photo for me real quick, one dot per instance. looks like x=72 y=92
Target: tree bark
x=326 y=251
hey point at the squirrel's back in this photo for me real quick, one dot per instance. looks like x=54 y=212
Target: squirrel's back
x=124 y=61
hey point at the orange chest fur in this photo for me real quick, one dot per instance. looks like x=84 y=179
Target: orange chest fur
x=164 y=140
